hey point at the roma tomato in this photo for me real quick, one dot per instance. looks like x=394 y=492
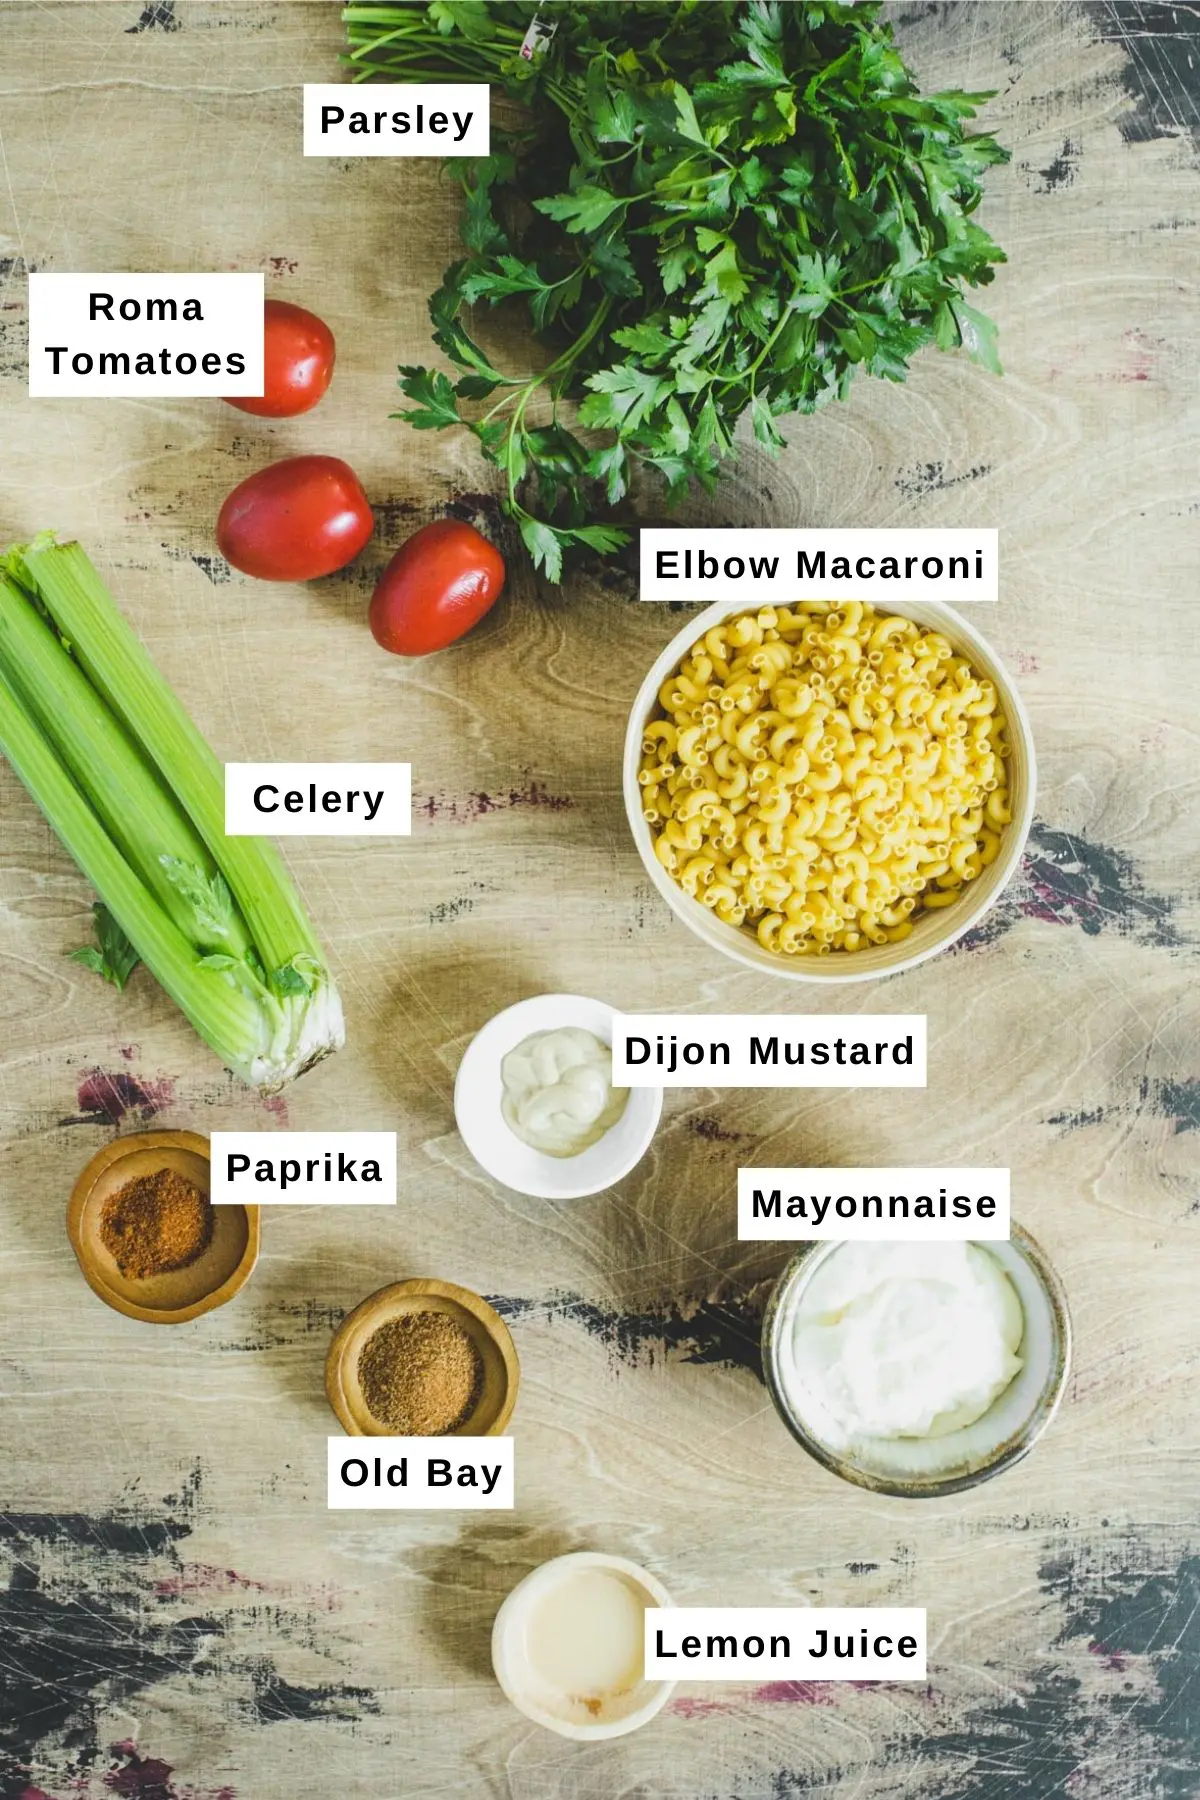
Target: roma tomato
x=298 y=353
x=296 y=519
x=438 y=584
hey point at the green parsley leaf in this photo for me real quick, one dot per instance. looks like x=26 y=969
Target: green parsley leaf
x=978 y=336
x=584 y=210
x=545 y=546
x=437 y=402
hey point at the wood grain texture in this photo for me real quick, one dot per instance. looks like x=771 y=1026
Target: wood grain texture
x=182 y=1619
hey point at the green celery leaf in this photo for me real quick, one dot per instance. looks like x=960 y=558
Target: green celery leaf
x=116 y=958
x=677 y=434
x=299 y=976
x=208 y=896
x=237 y=973
x=480 y=230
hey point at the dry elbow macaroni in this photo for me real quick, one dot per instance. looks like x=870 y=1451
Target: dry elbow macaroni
x=819 y=774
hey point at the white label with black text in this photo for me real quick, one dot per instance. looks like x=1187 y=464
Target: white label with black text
x=404 y=1473
x=791 y=1643
x=118 y=336
x=299 y=799
x=784 y=564
x=735 y=1050
x=397 y=119
x=303 y=1168
x=929 y=1206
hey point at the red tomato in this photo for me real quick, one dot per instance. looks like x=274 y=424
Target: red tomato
x=298 y=353
x=296 y=519
x=438 y=584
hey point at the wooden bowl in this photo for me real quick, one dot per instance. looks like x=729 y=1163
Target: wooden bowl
x=482 y=1324
x=169 y=1299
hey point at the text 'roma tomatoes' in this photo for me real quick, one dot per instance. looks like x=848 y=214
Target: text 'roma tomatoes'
x=296 y=519
x=298 y=353
x=438 y=584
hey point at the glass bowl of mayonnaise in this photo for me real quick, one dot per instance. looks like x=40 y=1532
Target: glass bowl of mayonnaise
x=917 y=1369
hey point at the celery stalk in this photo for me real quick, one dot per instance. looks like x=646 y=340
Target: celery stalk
x=230 y=1020
x=137 y=797
x=139 y=813
x=118 y=666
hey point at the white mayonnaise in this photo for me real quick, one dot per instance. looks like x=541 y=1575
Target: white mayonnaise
x=906 y=1340
x=558 y=1093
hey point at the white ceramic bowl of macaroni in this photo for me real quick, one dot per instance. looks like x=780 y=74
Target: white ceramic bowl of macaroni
x=479 y=1091
x=932 y=931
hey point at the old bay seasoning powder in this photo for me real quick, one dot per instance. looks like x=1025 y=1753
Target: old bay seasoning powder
x=421 y=1375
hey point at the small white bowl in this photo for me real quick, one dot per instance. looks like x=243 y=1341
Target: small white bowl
x=535 y=1693
x=932 y=931
x=479 y=1090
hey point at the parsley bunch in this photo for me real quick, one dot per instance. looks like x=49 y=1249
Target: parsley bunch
x=707 y=209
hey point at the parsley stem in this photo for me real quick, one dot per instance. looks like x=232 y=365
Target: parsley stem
x=562 y=364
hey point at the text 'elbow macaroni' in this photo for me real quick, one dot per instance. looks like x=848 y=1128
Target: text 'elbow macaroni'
x=821 y=775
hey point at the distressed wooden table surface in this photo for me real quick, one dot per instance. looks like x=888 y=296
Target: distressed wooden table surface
x=181 y=1619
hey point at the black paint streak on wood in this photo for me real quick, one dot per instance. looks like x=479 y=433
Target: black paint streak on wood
x=704 y=1331
x=1110 y=1705
x=713 y=1132
x=214 y=567
x=1162 y=75
x=1077 y=1121
x=1060 y=171
x=290 y=1323
x=1126 y=1608
x=88 y=1622
x=274 y=1699
x=1067 y=880
x=1180 y=1102
x=1176 y=1101
x=931 y=478
x=1026 y=1746
x=77 y=1633
x=158 y=15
